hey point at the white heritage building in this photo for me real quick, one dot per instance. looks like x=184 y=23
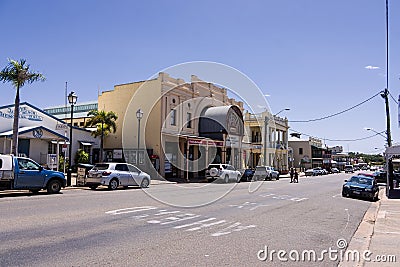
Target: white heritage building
x=42 y=136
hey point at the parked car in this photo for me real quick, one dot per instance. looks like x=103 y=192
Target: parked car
x=114 y=175
x=335 y=170
x=320 y=171
x=224 y=172
x=373 y=168
x=247 y=175
x=348 y=168
x=19 y=173
x=265 y=173
x=311 y=172
x=361 y=186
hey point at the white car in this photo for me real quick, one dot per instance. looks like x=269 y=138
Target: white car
x=225 y=172
x=114 y=175
x=265 y=173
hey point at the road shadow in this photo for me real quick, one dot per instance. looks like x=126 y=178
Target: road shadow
x=5 y=194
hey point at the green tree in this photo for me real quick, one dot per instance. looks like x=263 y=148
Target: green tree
x=104 y=123
x=18 y=73
x=81 y=156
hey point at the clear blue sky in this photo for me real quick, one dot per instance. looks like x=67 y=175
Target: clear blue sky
x=310 y=56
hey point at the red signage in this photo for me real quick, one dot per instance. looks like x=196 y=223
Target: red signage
x=205 y=142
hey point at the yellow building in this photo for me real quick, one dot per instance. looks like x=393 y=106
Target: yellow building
x=267 y=135
x=185 y=126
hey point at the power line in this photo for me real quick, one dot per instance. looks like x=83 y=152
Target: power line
x=341 y=112
x=394 y=99
x=339 y=140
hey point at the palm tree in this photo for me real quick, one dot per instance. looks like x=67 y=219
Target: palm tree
x=18 y=73
x=104 y=123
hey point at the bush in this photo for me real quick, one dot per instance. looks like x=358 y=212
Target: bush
x=81 y=157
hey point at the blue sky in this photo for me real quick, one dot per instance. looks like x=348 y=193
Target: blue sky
x=310 y=56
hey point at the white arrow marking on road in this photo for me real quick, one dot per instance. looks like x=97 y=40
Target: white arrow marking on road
x=195 y=223
x=130 y=210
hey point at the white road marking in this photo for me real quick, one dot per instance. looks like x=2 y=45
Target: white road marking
x=163 y=217
x=130 y=210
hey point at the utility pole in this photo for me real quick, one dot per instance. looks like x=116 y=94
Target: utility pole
x=385 y=94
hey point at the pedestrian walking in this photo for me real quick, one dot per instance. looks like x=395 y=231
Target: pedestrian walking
x=291 y=174
x=296 y=177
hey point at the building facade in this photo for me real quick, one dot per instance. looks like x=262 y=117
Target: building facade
x=267 y=136
x=309 y=153
x=185 y=126
x=81 y=110
x=42 y=136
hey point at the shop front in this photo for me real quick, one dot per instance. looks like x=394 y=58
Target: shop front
x=42 y=137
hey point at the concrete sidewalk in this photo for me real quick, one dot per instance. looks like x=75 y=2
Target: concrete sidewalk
x=379 y=233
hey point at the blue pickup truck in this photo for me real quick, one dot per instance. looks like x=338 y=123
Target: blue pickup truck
x=19 y=173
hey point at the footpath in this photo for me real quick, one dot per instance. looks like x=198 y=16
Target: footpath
x=377 y=239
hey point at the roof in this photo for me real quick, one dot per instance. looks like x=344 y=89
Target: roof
x=37 y=131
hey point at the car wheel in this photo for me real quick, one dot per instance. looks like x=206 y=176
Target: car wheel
x=226 y=179
x=113 y=184
x=277 y=177
x=213 y=172
x=53 y=187
x=145 y=183
x=238 y=179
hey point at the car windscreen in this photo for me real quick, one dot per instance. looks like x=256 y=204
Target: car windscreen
x=354 y=179
x=260 y=169
x=365 y=181
x=100 y=167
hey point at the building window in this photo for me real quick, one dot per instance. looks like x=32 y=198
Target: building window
x=189 y=120
x=300 y=151
x=173 y=117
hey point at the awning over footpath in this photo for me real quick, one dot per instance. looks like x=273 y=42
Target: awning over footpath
x=221 y=120
x=35 y=132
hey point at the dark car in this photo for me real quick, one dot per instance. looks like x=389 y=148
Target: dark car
x=380 y=176
x=361 y=186
x=247 y=175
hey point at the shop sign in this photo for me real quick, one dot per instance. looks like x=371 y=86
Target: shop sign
x=61 y=126
x=24 y=113
x=205 y=142
x=117 y=154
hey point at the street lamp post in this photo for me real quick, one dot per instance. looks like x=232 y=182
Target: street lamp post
x=285 y=109
x=379 y=133
x=72 y=97
x=139 y=116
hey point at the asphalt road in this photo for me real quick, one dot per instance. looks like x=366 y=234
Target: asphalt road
x=181 y=225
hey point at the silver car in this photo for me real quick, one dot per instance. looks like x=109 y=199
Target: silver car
x=114 y=175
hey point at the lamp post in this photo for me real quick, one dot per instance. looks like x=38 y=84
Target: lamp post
x=72 y=97
x=139 y=116
x=285 y=109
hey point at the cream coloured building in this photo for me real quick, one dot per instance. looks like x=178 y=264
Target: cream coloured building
x=267 y=135
x=185 y=126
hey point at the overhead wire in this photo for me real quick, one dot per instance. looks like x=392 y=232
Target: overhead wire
x=338 y=113
x=339 y=140
x=394 y=99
